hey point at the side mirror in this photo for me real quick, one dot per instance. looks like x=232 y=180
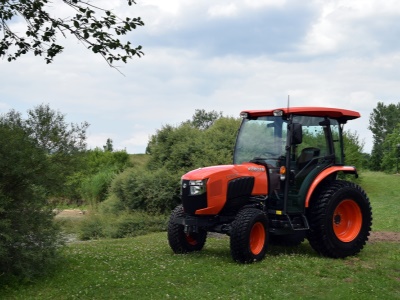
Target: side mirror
x=297 y=133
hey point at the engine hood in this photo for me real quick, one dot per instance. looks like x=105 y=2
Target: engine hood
x=233 y=171
x=218 y=178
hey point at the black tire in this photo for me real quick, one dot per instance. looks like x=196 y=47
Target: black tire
x=178 y=240
x=340 y=220
x=288 y=240
x=249 y=236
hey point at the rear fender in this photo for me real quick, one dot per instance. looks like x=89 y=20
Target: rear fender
x=324 y=174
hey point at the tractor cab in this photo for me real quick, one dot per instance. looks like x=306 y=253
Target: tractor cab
x=294 y=146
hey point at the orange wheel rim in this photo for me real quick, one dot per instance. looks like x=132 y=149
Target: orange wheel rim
x=257 y=238
x=190 y=240
x=347 y=220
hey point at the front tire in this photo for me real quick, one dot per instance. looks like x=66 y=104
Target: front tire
x=340 y=220
x=249 y=236
x=181 y=242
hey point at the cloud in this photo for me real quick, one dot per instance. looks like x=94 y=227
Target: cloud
x=225 y=56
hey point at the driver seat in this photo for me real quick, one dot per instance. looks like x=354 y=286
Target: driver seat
x=306 y=155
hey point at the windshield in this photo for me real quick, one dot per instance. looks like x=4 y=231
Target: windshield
x=261 y=138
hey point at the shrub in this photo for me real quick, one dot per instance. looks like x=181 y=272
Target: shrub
x=151 y=191
x=94 y=188
x=29 y=239
x=119 y=226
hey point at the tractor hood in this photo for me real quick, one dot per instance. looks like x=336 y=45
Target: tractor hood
x=218 y=178
x=229 y=171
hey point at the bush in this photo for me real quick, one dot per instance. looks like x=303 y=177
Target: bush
x=119 y=226
x=94 y=188
x=29 y=238
x=146 y=190
x=111 y=206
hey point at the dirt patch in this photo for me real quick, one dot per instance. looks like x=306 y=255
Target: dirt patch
x=70 y=213
x=384 y=236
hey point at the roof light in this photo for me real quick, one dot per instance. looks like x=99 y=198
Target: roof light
x=278 y=113
x=244 y=115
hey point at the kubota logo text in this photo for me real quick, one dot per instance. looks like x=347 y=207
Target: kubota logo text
x=255 y=169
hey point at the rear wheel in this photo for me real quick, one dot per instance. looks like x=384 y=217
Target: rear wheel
x=249 y=236
x=340 y=220
x=181 y=242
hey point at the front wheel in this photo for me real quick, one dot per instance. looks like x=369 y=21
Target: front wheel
x=181 y=242
x=249 y=236
x=340 y=220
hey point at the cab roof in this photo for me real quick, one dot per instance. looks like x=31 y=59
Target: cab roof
x=342 y=115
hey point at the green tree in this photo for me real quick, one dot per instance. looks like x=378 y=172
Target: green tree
x=203 y=120
x=109 y=145
x=353 y=149
x=96 y=28
x=220 y=141
x=383 y=121
x=391 y=155
x=178 y=149
x=98 y=170
x=63 y=143
x=28 y=237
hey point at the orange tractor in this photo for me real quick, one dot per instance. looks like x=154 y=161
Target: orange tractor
x=282 y=187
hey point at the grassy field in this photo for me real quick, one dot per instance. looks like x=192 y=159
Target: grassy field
x=144 y=267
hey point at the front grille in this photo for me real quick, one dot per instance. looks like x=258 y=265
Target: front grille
x=240 y=187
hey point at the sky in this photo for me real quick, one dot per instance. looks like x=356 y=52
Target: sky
x=226 y=56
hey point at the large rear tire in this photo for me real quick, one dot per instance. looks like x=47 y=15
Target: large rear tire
x=340 y=220
x=181 y=242
x=249 y=236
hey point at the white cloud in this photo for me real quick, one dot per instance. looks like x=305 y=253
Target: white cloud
x=225 y=56
x=264 y=3
x=223 y=10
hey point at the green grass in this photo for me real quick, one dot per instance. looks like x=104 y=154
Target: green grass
x=384 y=193
x=144 y=267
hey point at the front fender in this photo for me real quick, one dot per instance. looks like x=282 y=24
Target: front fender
x=325 y=173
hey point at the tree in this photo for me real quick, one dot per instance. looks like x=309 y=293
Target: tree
x=96 y=28
x=109 y=145
x=62 y=143
x=383 y=121
x=203 y=120
x=28 y=237
x=391 y=155
x=353 y=148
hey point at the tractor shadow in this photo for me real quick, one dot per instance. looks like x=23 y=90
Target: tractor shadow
x=218 y=247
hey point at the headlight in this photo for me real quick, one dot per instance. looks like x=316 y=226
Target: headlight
x=198 y=187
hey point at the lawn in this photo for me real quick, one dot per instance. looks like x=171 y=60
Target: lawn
x=144 y=267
